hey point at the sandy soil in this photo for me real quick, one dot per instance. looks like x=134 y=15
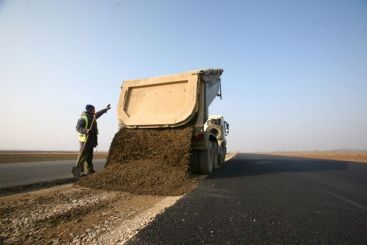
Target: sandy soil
x=342 y=156
x=10 y=157
x=72 y=214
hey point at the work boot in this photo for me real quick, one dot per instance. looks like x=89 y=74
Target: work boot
x=76 y=172
x=92 y=171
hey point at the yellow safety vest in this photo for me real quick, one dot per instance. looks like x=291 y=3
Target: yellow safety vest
x=83 y=137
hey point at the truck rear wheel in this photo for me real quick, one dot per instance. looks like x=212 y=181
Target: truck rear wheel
x=206 y=160
x=216 y=163
x=194 y=162
x=222 y=155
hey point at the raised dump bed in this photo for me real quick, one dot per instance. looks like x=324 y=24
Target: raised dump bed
x=167 y=101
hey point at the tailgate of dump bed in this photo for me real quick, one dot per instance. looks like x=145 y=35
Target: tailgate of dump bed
x=168 y=101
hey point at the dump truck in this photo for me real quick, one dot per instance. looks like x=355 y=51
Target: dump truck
x=217 y=126
x=179 y=100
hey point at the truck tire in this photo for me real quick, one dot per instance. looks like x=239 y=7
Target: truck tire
x=216 y=130
x=225 y=153
x=206 y=160
x=220 y=157
x=216 y=155
x=222 y=154
x=194 y=162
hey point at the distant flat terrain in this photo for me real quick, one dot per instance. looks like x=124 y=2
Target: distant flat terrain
x=34 y=156
x=342 y=156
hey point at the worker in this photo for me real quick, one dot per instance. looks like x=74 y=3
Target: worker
x=88 y=137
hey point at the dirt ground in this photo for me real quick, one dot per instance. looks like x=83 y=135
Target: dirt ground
x=147 y=161
x=343 y=156
x=16 y=156
x=72 y=214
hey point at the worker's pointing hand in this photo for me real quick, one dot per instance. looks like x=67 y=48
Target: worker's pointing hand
x=108 y=107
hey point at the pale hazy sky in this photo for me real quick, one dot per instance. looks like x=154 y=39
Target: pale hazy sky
x=295 y=72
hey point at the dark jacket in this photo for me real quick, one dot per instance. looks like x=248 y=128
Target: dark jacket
x=92 y=136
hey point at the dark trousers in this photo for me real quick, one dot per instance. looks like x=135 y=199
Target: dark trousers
x=86 y=156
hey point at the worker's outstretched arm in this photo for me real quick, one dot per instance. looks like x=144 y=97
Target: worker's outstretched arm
x=101 y=112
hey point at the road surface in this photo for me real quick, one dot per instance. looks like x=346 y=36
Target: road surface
x=263 y=199
x=24 y=173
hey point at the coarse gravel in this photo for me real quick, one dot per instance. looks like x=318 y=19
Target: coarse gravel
x=76 y=215
x=147 y=161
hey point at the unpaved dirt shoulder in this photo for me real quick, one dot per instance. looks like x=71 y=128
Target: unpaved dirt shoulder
x=72 y=214
x=128 y=228
x=34 y=186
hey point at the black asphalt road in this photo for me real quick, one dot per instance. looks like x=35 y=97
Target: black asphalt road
x=262 y=199
x=25 y=173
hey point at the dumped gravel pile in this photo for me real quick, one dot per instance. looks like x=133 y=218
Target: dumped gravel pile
x=147 y=161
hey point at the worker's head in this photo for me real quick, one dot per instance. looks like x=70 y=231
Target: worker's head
x=90 y=109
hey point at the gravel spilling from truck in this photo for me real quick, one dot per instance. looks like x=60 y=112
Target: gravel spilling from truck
x=147 y=161
x=156 y=160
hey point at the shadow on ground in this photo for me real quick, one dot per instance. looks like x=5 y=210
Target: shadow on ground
x=256 y=164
